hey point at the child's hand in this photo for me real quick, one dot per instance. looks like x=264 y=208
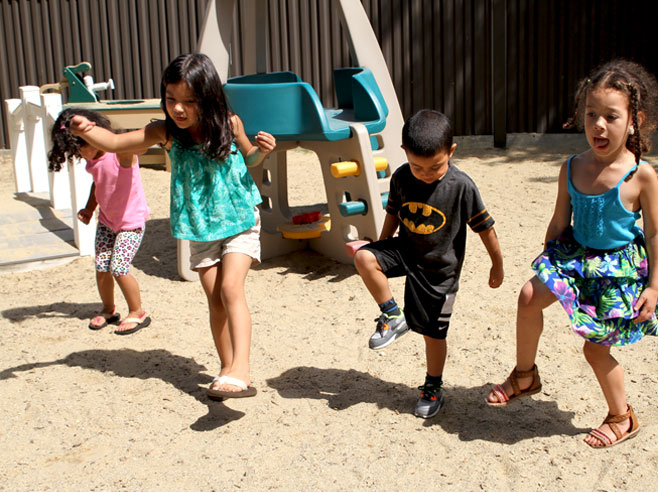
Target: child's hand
x=496 y=275
x=80 y=124
x=85 y=215
x=645 y=307
x=265 y=142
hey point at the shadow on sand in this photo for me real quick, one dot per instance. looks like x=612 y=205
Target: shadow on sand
x=465 y=413
x=311 y=265
x=183 y=373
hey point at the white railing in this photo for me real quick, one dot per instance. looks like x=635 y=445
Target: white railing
x=29 y=121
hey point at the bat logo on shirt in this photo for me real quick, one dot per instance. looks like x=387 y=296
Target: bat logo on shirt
x=421 y=218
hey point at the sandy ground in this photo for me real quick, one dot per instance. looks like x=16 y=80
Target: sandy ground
x=84 y=410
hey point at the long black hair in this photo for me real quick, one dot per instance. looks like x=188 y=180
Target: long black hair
x=65 y=144
x=199 y=73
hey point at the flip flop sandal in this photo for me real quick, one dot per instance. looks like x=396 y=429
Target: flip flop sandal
x=612 y=421
x=211 y=392
x=112 y=319
x=245 y=391
x=142 y=322
x=504 y=399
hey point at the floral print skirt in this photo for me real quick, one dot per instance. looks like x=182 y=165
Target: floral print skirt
x=598 y=289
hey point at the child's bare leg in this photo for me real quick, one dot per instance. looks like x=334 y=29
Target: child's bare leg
x=211 y=281
x=235 y=267
x=105 y=284
x=533 y=299
x=435 y=353
x=130 y=289
x=611 y=378
x=126 y=245
x=375 y=280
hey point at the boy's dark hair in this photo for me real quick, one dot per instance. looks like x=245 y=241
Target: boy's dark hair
x=65 y=145
x=427 y=133
x=199 y=73
x=641 y=89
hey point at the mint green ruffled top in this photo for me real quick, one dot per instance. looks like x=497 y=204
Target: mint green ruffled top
x=210 y=199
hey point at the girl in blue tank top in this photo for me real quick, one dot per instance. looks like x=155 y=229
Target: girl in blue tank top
x=213 y=200
x=598 y=263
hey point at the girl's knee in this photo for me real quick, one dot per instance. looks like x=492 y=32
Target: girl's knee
x=232 y=291
x=595 y=353
x=526 y=296
x=535 y=295
x=216 y=308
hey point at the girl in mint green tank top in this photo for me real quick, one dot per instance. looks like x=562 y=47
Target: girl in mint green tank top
x=213 y=199
x=210 y=200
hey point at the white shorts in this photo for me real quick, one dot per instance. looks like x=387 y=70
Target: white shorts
x=204 y=254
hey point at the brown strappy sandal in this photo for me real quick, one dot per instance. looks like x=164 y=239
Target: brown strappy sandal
x=612 y=421
x=504 y=399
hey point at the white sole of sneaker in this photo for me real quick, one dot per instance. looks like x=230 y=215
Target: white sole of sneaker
x=390 y=341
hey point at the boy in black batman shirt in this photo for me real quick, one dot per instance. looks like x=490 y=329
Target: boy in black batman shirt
x=432 y=202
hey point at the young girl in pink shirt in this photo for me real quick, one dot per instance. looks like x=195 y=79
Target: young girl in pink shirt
x=117 y=190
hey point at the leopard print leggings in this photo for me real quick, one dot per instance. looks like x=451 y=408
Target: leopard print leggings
x=115 y=250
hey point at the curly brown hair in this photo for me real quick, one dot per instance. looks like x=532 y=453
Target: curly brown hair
x=65 y=144
x=641 y=88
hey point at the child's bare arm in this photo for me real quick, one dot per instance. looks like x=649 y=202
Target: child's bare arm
x=85 y=214
x=562 y=213
x=107 y=141
x=252 y=154
x=490 y=241
x=391 y=223
x=646 y=303
x=127 y=159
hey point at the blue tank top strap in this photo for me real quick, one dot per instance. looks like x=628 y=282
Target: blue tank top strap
x=569 y=166
x=569 y=184
x=630 y=171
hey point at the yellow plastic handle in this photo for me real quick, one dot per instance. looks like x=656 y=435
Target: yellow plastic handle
x=345 y=168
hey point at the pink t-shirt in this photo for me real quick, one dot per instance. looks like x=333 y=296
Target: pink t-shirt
x=119 y=193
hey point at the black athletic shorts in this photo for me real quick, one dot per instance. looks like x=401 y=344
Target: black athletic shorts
x=426 y=309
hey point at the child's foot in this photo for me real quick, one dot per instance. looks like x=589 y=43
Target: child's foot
x=518 y=384
x=104 y=318
x=614 y=430
x=389 y=329
x=135 y=321
x=228 y=386
x=430 y=402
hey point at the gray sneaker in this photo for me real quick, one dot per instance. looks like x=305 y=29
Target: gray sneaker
x=389 y=328
x=430 y=402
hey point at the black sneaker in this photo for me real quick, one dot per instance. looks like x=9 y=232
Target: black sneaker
x=389 y=329
x=430 y=402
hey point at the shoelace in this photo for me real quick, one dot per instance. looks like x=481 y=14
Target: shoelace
x=429 y=391
x=382 y=322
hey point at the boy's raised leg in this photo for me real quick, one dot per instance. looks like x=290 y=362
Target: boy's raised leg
x=391 y=323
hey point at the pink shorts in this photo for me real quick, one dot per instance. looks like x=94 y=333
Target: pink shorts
x=204 y=254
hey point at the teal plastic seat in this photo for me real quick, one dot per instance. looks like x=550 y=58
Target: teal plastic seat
x=282 y=104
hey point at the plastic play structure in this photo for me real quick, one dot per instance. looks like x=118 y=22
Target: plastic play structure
x=82 y=88
x=357 y=143
x=29 y=120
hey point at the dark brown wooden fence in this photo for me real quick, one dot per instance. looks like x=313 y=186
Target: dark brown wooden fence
x=440 y=52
